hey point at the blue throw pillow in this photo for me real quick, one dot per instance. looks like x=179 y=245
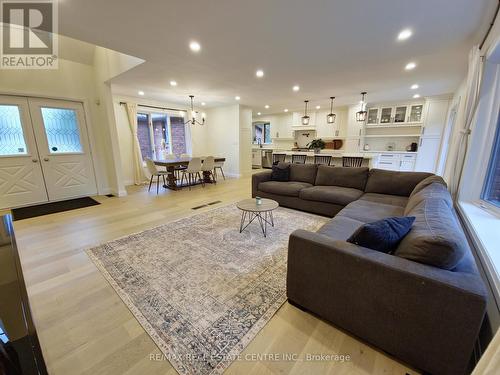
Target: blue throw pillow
x=280 y=174
x=383 y=235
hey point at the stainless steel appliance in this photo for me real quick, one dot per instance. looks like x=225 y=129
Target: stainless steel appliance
x=267 y=158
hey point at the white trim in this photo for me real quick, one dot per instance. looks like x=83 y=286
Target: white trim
x=483 y=229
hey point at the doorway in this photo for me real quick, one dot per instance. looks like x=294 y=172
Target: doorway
x=44 y=151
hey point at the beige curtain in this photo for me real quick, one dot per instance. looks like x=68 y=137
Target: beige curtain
x=474 y=76
x=139 y=175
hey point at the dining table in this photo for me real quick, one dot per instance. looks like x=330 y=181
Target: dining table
x=170 y=165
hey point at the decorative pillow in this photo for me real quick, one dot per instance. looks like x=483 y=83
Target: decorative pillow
x=280 y=173
x=383 y=235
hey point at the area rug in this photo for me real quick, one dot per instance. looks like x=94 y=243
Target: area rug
x=199 y=288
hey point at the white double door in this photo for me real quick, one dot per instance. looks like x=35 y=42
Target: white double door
x=44 y=151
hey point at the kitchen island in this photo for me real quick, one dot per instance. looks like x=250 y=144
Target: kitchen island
x=369 y=160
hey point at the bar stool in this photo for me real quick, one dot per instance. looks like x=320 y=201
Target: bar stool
x=352 y=161
x=279 y=158
x=299 y=159
x=322 y=159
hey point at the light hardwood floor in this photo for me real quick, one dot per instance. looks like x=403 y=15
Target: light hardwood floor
x=85 y=328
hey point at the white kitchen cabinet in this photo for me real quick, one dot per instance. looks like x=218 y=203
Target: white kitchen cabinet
x=407 y=162
x=396 y=162
x=324 y=129
x=395 y=115
x=428 y=154
x=435 y=117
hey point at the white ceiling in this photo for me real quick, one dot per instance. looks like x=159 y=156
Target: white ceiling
x=328 y=47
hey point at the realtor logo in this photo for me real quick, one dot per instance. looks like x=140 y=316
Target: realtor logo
x=28 y=34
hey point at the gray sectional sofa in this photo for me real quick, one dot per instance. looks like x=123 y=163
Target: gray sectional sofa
x=424 y=303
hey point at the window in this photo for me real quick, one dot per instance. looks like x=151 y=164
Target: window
x=61 y=128
x=11 y=131
x=491 y=190
x=262 y=133
x=160 y=134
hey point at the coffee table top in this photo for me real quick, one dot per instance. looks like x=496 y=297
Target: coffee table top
x=251 y=205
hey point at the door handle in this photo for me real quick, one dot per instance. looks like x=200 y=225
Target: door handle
x=45 y=159
x=34 y=160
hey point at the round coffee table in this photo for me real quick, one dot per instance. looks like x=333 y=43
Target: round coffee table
x=262 y=212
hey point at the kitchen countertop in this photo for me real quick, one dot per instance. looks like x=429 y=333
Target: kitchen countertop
x=333 y=153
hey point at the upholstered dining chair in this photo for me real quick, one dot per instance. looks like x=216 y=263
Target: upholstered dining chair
x=192 y=172
x=279 y=158
x=322 y=159
x=299 y=159
x=218 y=165
x=208 y=167
x=352 y=161
x=155 y=173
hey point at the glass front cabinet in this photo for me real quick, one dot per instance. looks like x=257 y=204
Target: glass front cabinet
x=397 y=115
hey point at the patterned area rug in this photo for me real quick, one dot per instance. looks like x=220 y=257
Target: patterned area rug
x=199 y=288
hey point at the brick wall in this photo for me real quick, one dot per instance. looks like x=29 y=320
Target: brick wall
x=178 y=135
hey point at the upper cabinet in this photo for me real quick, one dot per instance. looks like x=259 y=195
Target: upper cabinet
x=395 y=115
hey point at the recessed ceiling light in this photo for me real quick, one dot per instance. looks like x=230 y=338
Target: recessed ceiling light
x=237 y=98
x=266 y=106
x=173 y=83
x=203 y=103
x=259 y=73
x=285 y=110
x=318 y=107
x=258 y=113
x=410 y=66
x=195 y=46
x=416 y=96
x=405 y=34
x=141 y=93
x=414 y=87
x=296 y=88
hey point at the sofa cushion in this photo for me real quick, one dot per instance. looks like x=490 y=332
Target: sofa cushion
x=302 y=172
x=290 y=188
x=280 y=173
x=339 y=176
x=428 y=181
x=331 y=194
x=393 y=183
x=340 y=228
x=382 y=235
x=393 y=200
x=434 y=190
x=367 y=212
x=436 y=237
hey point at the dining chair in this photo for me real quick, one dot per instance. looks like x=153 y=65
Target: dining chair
x=352 y=161
x=279 y=158
x=299 y=159
x=322 y=159
x=208 y=167
x=155 y=172
x=219 y=165
x=192 y=172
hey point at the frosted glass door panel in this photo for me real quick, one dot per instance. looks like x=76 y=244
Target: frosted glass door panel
x=62 y=130
x=12 y=140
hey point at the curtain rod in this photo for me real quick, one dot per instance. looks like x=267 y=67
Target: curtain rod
x=490 y=27
x=154 y=107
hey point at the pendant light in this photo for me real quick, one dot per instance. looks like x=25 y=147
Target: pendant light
x=361 y=115
x=305 y=118
x=330 y=118
x=193 y=120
